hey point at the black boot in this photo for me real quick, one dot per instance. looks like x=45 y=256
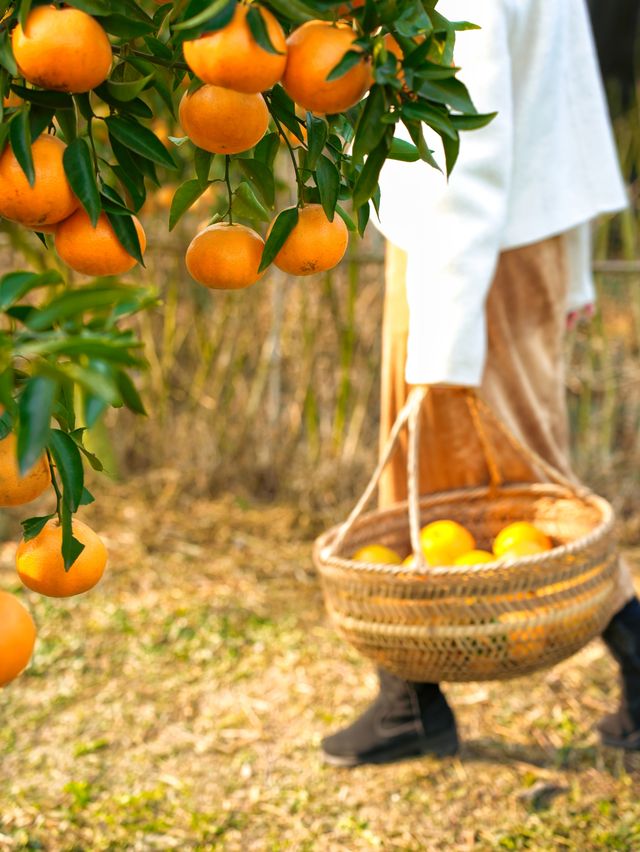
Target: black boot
x=406 y=720
x=622 y=637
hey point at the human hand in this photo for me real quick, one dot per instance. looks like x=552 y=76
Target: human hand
x=583 y=315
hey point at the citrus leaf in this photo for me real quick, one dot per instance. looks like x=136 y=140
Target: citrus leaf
x=35 y=407
x=186 y=195
x=87 y=498
x=128 y=90
x=213 y=17
x=348 y=61
x=317 y=132
x=405 y=151
x=261 y=179
x=20 y=141
x=247 y=206
x=34 y=526
x=284 y=223
x=15 y=285
x=6 y=54
x=140 y=139
x=127 y=235
x=54 y=100
x=260 y=32
x=328 y=182
x=129 y=392
x=71 y=547
x=79 y=169
x=69 y=467
x=202 y=161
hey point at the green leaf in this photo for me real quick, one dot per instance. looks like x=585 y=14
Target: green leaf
x=140 y=139
x=370 y=128
x=267 y=149
x=186 y=195
x=39 y=119
x=35 y=407
x=342 y=213
x=130 y=89
x=451 y=92
x=247 y=206
x=71 y=547
x=261 y=179
x=23 y=12
x=299 y=12
x=282 y=226
x=317 y=132
x=73 y=303
x=99 y=383
x=435 y=116
x=367 y=181
x=34 y=526
x=87 y=498
x=20 y=141
x=348 y=61
x=472 y=122
x=70 y=469
x=68 y=124
x=130 y=394
x=451 y=151
x=259 y=30
x=328 y=182
x=53 y=100
x=91 y=7
x=127 y=235
x=202 y=161
x=15 y=285
x=405 y=151
x=124 y=27
x=6 y=54
x=214 y=16
x=79 y=169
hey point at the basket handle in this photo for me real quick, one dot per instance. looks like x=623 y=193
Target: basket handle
x=410 y=413
x=410 y=416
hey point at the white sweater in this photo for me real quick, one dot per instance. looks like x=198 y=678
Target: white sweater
x=546 y=165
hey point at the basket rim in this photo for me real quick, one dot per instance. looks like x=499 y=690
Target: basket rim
x=322 y=559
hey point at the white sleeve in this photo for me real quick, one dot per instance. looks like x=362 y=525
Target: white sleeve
x=582 y=291
x=452 y=258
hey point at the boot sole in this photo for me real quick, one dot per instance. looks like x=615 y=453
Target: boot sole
x=442 y=745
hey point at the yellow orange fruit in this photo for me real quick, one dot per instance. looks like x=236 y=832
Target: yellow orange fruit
x=17 y=637
x=518 y=532
x=225 y=257
x=222 y=121
x=40 y=564
x=444 y=541
x=62 y=49
x=315 y=49
x=12 y=100
x=475 y=557
x=232 y=58
x=522 y=548
x=378 y=554
x=315 y=244
x=94 y=251
x=15 y=490
x=50 y=199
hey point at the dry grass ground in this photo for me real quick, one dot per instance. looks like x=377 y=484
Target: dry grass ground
x=181 y=704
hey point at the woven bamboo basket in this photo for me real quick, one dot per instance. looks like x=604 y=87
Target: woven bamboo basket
x=489 y=621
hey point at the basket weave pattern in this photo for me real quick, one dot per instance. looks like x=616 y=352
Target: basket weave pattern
x=480 y=622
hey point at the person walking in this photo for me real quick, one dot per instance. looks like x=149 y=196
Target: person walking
x=482 y=273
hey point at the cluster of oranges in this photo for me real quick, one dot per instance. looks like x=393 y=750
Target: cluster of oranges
x=449 y=543
x=228 y=115
x=49 y=205
x=39 y=561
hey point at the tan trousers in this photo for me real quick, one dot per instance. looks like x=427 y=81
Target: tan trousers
x=524 y=379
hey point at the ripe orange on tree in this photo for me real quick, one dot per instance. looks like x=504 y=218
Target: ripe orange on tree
x=225 y=257
x=16 y=490
x=17 y=637
x=50 y=199
x=314 y=50
x=232 y=58
x=62 y=49
x=40 y=564
x=222 y=121
x=94 y=251
x=315 y=244
x=445 y=541
x=516 y=534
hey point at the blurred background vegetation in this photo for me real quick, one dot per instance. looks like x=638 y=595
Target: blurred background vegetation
x=273 y=392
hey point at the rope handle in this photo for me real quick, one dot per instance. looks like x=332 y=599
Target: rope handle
x=411 y=409
x=410 y=416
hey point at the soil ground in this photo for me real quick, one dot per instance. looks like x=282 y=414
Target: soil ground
x=181 y=704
